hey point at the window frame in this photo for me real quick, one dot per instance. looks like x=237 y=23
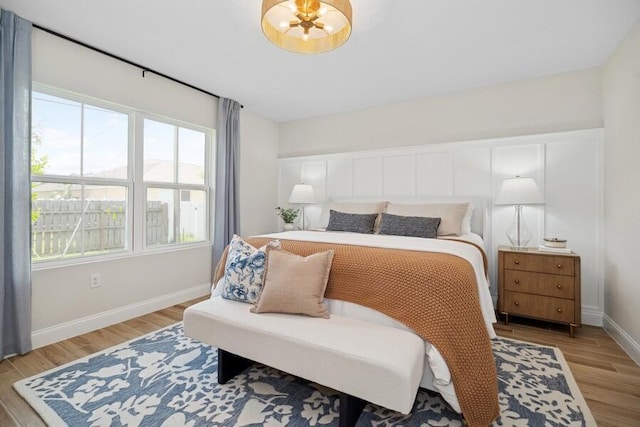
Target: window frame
x=207 y=186
x=135 y=185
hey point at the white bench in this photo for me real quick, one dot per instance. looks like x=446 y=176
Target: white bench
x=364 y=361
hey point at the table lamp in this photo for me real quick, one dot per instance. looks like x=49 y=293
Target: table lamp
x=519 y=191
x=302 y=194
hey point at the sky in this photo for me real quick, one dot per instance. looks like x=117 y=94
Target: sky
x=101 y=139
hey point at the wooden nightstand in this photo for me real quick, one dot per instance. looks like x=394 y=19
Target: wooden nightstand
x=540 y=285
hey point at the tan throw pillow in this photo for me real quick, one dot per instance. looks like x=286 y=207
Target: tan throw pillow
x=295 y=284
x=451 y=215
x=358 y=207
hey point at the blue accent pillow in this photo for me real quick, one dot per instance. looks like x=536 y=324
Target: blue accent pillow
x=244 y=271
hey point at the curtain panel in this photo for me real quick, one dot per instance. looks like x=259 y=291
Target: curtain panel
x=15 y=185
x=226 y=214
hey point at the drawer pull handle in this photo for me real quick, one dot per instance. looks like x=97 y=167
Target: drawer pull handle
x=516 y=303
x=559 y=286
x=516 y=262
x=559 y=310
x=517 y=281
x=559 y=265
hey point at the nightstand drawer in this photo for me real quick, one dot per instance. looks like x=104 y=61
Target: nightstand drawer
x=539 y=263
x=547 y=308
x=553 y=285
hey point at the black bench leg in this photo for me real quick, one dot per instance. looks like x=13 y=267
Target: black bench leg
x=350 y=409
x=230 y=365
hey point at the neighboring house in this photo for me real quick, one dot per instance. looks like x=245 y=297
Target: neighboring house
x=155 y=171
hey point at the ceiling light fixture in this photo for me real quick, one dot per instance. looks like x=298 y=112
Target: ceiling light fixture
x=307 y=26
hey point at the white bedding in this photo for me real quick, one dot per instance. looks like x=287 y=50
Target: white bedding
x=436 y=374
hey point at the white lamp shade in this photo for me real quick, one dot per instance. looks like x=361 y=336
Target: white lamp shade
x=519 y=191
x=302 y=193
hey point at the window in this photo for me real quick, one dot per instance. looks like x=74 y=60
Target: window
x=175 y=184
x=80 y=178
x=85 y=201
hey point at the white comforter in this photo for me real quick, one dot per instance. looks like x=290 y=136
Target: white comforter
x=436 y=374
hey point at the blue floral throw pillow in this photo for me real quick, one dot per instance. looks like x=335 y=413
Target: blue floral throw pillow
x=244 y=271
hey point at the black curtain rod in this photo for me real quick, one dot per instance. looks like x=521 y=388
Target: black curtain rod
x=119 y=58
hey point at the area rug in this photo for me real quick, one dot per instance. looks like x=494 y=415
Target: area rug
x=166 y=379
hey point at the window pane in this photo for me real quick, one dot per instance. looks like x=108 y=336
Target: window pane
x=193 y=216
x=64 y=224
x=176 y=216
x=56 y=134
x=160 y=216
x=191 y=155
x=106 y=136
x=55 y=213
x=159 y=151
x=105 y=219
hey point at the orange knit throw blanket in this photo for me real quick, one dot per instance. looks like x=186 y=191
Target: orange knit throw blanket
x=432 y=293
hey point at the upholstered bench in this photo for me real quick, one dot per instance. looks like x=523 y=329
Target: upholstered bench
x=365 y=362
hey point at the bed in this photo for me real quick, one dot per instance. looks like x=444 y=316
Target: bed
x=467 y=245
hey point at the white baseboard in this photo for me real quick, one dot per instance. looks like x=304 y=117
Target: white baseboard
x=67 y=330
x=591 y=316
x=625 y=341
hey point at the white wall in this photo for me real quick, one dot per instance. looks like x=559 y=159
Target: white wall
x=621 y=88
x=63 y=303
x=538 y=107
x=566 y=165
x=549 y=104
x=606 y=97
x=258 y=174
x=66 y=65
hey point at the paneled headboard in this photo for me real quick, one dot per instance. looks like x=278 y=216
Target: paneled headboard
x=566 y=165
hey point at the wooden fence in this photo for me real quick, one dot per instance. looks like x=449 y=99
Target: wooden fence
x=75 y=227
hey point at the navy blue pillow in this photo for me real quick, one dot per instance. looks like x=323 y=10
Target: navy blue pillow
x=413 y=226
x=355 y=223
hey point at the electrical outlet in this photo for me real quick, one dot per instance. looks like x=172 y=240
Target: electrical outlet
x=94 y=280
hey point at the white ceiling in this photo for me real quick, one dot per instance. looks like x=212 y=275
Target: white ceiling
x=399 y=49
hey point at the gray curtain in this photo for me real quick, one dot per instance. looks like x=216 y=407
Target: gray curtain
x=15 y=185
x=226 y=220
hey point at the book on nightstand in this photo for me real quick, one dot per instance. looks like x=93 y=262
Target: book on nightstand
x=543 y=248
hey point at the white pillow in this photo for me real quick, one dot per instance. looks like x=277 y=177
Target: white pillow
x=452 y=215
x=466 y=221
x=358 y=207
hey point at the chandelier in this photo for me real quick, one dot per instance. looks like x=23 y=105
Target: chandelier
x=307 y=26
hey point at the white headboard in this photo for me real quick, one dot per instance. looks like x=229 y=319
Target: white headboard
x=566 y=165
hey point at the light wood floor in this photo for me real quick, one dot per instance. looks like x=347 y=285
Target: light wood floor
x=607 y=377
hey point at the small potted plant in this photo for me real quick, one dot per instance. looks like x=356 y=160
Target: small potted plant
x=288 y=215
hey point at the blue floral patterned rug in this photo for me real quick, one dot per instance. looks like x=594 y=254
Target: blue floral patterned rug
x=165 y=379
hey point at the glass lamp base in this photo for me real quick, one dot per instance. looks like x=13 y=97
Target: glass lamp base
x=518 y=233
